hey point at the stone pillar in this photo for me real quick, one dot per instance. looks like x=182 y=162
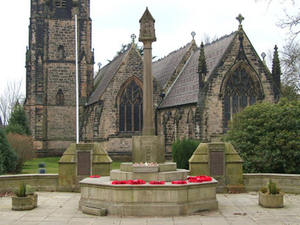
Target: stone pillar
x=147 y=36
x=148 y=124
x=148 y=148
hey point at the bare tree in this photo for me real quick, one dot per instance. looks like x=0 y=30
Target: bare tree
x=23 y=146
x=8 y=99
x=290 y=55
x=291 y=21
x=291 y=64
x=207 y=39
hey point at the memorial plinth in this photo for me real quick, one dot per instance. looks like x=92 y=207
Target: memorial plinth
x=148 y=148
x=147 y=200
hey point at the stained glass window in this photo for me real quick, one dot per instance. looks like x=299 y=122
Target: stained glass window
x=130 y=108
x=240 y=91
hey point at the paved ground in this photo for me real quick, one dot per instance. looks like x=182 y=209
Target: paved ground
x=241 y=209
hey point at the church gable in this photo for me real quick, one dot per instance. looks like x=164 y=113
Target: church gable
x=239 y=79
x=186 y=87
x=104 y=77
x=119 y=89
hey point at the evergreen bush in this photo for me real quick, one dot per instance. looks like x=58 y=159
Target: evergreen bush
x=182 y=150
x=18 y=122
x=267 y=137
x=8 y=157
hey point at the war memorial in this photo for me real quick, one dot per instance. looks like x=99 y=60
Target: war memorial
x=148 y=186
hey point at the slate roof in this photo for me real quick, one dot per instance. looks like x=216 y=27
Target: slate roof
x=185 y=88
x=164 y=68
x=104 y=77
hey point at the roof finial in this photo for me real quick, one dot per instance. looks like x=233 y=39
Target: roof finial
x=133 y=37
x=193 y=34
x=240 y=18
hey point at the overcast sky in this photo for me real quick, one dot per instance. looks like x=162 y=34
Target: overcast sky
x=114 y=21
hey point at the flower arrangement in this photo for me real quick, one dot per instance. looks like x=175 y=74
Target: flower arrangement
x=145 y=164
x=156 y=182
x=198 y=179
x=138 y=181
x=119 y=182
x=94 y=176
x=179 y=182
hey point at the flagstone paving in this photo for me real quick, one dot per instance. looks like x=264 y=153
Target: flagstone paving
x=62 y=208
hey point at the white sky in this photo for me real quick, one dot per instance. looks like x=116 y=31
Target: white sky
x=114 y=21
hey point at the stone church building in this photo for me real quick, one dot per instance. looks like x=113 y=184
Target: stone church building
x=196 y=89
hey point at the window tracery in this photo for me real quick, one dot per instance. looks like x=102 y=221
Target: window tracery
x=131 y=108
x=240 y=91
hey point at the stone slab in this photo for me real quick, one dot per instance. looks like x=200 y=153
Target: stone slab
x=94 y=211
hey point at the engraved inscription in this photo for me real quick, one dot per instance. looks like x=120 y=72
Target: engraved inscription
x=217 y=147
x=216 y=163
x=148 y=153
x=83 y=163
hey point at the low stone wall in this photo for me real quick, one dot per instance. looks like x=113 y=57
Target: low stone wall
x=288 y=183
x=37 y=182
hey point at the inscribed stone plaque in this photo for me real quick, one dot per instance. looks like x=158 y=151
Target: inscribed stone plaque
x=83 y=163
x=216 y=163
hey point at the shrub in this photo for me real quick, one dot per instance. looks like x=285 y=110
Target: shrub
x=22 y=190
x=23 y=146
x=18 y=122
x=182 y=150
x=9 y=157
x=267 y=138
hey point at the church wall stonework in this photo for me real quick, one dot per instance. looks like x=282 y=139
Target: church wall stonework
x=106 y=128
x=212 y=118
x=167 y=124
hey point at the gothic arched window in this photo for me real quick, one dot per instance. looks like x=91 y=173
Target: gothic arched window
x=131 y=108
x=60 y=98
x=61 y=52
x=240 y=91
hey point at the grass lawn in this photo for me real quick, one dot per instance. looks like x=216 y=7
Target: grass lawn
x=51 y=163
x=32 y=166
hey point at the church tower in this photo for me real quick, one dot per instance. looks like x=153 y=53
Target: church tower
x=50 y=71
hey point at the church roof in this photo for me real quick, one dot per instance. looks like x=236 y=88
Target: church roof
x=104 y=77
x=185 y=88
x=164 y=68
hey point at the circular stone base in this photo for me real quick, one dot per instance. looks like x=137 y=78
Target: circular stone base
x=147 y=200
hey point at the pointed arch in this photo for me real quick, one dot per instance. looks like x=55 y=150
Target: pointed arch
x=240 y=87
x=60 y=98
x=61 y=52
x=130 y=105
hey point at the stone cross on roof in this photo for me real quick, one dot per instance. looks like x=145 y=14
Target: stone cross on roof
x=240 y=18
x=193 y=34
x=133 y=37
